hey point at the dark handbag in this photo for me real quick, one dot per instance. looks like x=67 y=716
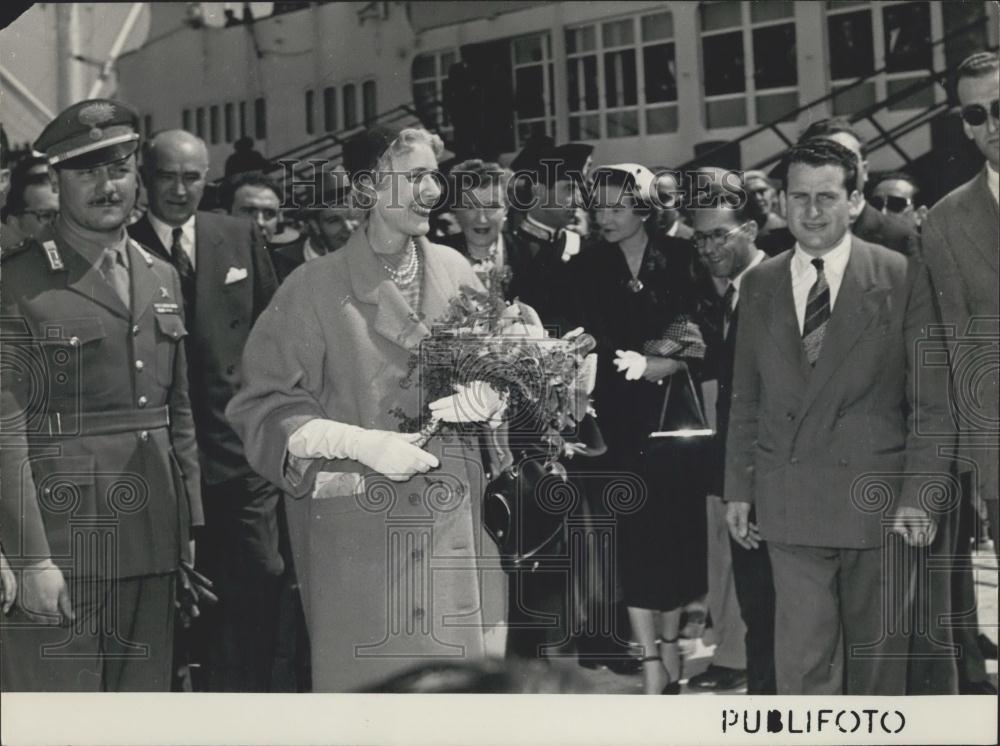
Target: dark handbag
x=680 y=413
x=521 y=513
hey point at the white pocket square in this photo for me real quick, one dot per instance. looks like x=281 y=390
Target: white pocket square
x=235 y=274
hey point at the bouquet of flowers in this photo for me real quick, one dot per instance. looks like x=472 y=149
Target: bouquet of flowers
x=488 y=360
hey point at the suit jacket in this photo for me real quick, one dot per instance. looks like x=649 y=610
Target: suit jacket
x=234 y=281
x=288 y=257
x=960 y=242
x=97 y=438
x=336 y=343
x=827 y=453
x=871 y=225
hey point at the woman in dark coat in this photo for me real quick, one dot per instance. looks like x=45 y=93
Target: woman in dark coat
x=635 y=286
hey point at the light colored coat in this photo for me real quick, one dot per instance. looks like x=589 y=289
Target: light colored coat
x=961 y=243
x=394 y=573
x=827 y=453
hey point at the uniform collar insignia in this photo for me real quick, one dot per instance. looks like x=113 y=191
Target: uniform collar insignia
x=541 y=232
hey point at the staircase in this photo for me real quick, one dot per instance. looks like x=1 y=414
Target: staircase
x=917 y=164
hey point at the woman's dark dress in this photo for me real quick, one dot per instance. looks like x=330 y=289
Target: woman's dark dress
x=662 y=535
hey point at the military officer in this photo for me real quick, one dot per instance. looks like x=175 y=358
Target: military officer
x=100 y=479
x=541 y=251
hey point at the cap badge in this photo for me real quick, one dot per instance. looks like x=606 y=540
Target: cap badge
x=95 y=114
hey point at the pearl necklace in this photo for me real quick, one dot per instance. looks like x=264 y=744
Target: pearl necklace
x=405 y=275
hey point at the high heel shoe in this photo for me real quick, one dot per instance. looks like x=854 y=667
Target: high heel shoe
x=674 y=686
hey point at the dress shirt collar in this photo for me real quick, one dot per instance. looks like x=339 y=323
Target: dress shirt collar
x=757 y=259
x=834 y=261
x=166 y=234
x=993 y=181
x=308 y=252
x=88 y=244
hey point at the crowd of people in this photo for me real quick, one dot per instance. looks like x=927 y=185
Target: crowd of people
x=206 y=485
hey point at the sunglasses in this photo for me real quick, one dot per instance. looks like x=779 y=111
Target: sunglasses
x=975 y=114
x=890 y=204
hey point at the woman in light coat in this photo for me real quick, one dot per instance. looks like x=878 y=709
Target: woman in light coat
x=393 y=562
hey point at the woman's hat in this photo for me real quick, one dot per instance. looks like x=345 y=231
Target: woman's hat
x=362 y=151
x=639 y=179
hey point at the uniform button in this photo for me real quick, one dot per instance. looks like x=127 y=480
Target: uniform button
x=793 y=460
x=144 y=436
x=843 y=462
x=139 y=365
x=142 y=401
x=74 y=341
x=135 y=330
x=790 y=416
x=840 y=414
x=414 y=498
x=418 y=613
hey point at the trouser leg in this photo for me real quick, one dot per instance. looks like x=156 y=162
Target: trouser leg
x=810 y=656
x=728 y=627
x=876 y=589
x=755 y=589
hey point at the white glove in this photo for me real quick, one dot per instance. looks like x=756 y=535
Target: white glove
x=473 y=402
x=521 y=320
x=388 y=453
x=631 y=363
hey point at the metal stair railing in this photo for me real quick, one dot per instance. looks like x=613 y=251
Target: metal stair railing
x=868 y=113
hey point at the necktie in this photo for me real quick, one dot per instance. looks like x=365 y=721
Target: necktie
x=185 y=269
x=115 y=272
x=728 y=309
x=817 y=314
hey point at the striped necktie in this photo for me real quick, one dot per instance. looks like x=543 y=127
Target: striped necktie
x=728 y=309
x=180 y=259
x=817 y=314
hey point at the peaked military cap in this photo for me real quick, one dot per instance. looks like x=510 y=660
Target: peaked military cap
x=548 y=163
x=91 y=133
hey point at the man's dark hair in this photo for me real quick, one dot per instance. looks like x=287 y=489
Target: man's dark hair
x=976 y=65
x=897 y=176
x=731 y=193
x=832 y=126
x=247 y=178
x=817 y=153
x=22 y=177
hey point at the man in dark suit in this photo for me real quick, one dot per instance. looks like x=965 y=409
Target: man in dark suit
x=868 y=224
x=960 y=241
x=541 y=252
x=828 y=441
x=227 y=280
x=99 y=465
x=724 y=237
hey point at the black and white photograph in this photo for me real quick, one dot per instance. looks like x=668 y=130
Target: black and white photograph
x=620 y=351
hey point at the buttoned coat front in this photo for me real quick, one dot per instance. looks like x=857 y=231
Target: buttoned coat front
x=828 y=453
x=394 y=573
x=961 y=245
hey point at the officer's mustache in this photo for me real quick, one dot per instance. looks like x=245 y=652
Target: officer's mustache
x=106 y=201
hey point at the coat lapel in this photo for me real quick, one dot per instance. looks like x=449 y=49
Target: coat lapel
x=213 y=257
x=394 y=318
x=783 y=323
x=143 y=232
x=84 y=278
x=858 y=302
x=984 y=235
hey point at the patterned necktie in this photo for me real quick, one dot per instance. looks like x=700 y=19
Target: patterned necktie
x=114 y=271
x=728 y=309
x=817 y=314
x=185 y=268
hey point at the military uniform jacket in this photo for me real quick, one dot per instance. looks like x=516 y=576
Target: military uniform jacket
x=99 y=467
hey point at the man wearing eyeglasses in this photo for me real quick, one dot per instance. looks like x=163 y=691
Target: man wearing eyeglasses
x=227 y=280
x=960 y=241
x=32 y=204
x=895 y=193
